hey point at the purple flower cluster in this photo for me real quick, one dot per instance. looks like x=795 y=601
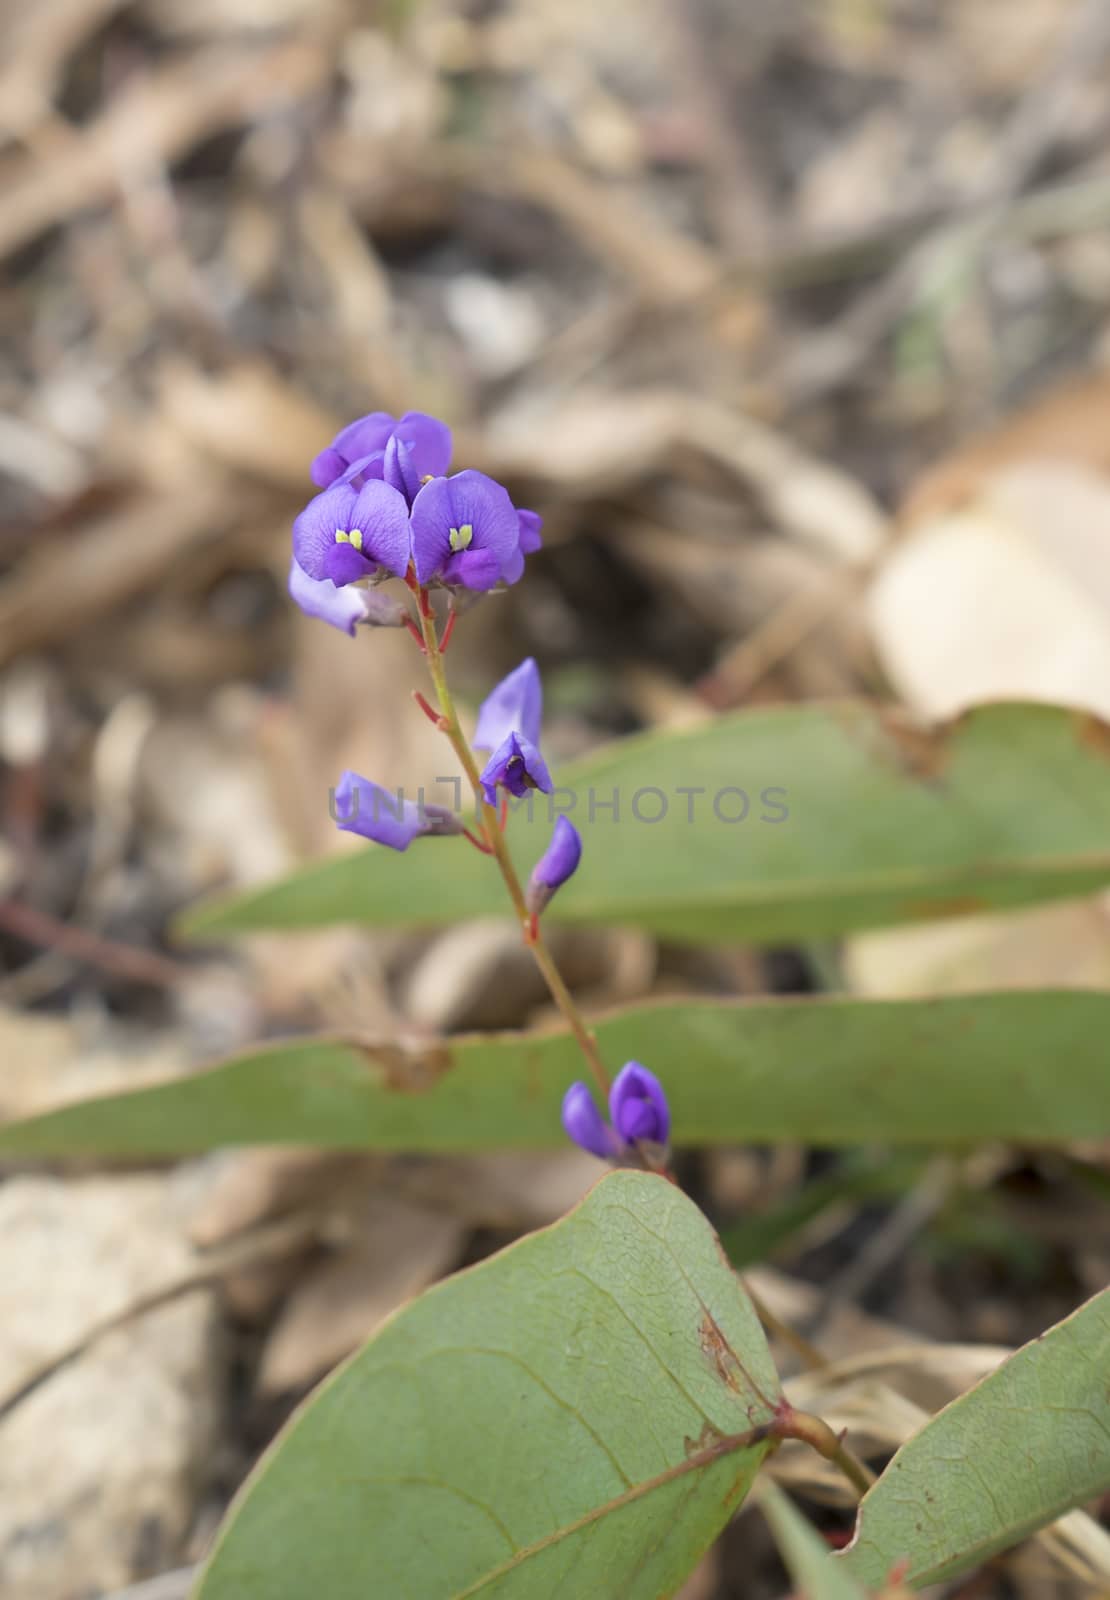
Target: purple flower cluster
x=387 y=509
x=638 y=1114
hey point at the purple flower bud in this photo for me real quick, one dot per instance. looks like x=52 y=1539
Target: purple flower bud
x=585 y=1124
x=374 y=813
x=427 y=439
x=638 y=1107
x=346 y=533
x=344 y=608
x=558 y=863
x=466 y=533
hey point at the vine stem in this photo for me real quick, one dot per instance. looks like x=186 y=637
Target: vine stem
x=495 y=838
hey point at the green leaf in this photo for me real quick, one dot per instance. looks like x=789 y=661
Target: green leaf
x=1008 y=805
x=827 y=1072
x=807 y=1557
x=562 y=1418
x=1028 y=1443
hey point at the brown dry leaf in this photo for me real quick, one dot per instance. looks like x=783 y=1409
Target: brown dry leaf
x=1070 y=423
x=151 y=124
x=1007 y=598
x=400 y=1250
x=249 y=418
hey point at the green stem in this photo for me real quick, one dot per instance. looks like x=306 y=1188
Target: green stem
x=533 y=934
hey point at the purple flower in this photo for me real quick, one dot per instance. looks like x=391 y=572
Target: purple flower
x=585 y=1124
x=558 y=863
x=638 y=1107
x=509 y=726
x=426 y=440
x=638 y=1113
x=346 y=533
x=466 y=532
x=367 y=809
x=344 y=608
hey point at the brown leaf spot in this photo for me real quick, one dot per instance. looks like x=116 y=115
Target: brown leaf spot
x=921 y=752
x=718 y=1351
x=1094 y=734
x=954 y=905
x=407 y=1071
x=709 y=1435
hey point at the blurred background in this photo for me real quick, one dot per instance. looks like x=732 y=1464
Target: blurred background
x=793 y=321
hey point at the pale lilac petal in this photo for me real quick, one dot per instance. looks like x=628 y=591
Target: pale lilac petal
x=584 y=1123
x=515 y=704
x=374 y=813
x=319 y=597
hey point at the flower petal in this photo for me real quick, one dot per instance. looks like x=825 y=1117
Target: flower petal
x=530 y=524
x=314 y=529
x=428 y=439
x=326 y=467
x=638 y=1106
x=517 y=766
x=344 y=564
x=364 y=436
x=374 y=813
x=468 y=500
x=473 y=569
x=319 y=597
x=584 y=1123
x=516 y=703
x=382 y=515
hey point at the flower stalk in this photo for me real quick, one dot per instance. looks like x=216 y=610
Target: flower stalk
x=492 y=828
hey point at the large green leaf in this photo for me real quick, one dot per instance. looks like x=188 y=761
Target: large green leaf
x=1011 y=804
x=1029 y=1066
x=1025 y=1445
x=560 y=1419
x=806 y=1556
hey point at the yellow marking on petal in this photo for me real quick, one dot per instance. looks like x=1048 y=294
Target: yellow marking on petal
x=461 y=537
x=353 y=538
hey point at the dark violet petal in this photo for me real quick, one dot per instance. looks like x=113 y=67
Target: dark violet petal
x=319 y=597
x=584 y=1123
x=374 y=813
x=314 y=530
x=473 y=569
x=399 y=469
x=344 y=564
x=515 y=704
x=638 y=1106
x=327 y=467
x=428 y=439
x=517 y=766
x=530 y=523
x=383 y=517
